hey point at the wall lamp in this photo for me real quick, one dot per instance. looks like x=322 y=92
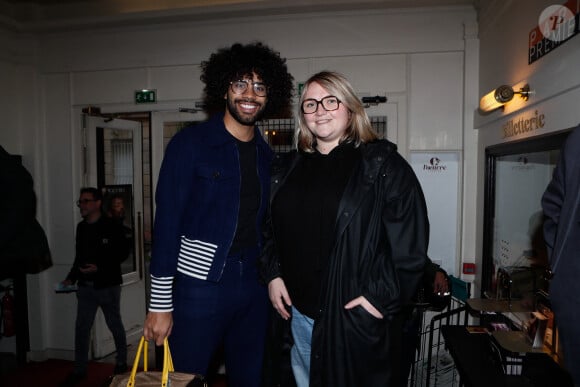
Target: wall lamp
x=502 y=95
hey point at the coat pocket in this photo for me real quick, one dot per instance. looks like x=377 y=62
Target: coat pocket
x=195 y=257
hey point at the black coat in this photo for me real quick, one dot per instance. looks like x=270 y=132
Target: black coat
x=561 y=205
x=380 y=251
x=23 y=243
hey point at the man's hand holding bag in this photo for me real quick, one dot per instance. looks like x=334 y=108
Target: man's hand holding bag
x=166 y=378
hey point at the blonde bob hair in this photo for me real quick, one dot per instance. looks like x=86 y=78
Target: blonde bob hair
x=359 y=128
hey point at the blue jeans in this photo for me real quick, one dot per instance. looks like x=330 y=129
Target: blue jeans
x=301 y=327
x=89 y=300
x=232 y=312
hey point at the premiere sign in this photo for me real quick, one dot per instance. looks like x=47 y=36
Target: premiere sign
x=556 y=25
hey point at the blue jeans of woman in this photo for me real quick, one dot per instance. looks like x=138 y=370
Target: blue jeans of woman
x=301 y=327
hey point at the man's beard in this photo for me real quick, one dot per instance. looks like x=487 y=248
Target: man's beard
x=244 y=119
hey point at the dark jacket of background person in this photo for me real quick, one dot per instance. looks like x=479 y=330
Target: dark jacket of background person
x=101 y=243
x=561 y=205
x=23 y=243
x=382 y=233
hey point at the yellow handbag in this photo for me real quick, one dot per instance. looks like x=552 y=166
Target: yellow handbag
x=166 y=378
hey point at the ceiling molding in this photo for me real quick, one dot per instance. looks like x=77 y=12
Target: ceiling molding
x=64 y=15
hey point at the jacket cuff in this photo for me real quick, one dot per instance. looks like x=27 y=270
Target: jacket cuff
x=161 y=294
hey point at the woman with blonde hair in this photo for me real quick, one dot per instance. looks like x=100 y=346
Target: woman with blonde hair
x=347 y=243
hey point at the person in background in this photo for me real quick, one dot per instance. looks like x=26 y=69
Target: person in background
x=213 y=191
x=348 y=241
x=24 y=247
x=100 y=249
x=561 y=206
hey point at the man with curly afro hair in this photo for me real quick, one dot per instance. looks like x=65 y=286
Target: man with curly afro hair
x=212 y=194
x=240 y=61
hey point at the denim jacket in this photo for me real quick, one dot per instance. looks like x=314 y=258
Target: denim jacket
x=198 y=199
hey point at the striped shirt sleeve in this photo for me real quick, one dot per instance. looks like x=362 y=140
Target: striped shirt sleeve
x=161 y=294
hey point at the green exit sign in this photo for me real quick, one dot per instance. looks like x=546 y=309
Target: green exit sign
x=145 y=96
x=300 y=88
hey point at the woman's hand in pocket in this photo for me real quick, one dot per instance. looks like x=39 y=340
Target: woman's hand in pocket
x=366 y=305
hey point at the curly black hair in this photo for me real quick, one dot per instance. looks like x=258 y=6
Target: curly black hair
x=237 y=61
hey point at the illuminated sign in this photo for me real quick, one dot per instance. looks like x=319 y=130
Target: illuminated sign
x=556 y=25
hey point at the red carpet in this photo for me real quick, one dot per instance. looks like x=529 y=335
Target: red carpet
x=51 y=373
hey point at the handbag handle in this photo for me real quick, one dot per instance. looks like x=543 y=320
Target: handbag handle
x=167 y=362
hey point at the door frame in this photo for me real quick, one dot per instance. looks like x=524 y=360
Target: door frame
x=133 y=300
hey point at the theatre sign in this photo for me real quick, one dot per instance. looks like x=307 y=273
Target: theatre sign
x=556 y=25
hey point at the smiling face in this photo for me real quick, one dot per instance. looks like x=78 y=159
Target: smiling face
x=246 y=108
x=327 y=126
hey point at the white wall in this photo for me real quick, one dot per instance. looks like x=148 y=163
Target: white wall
x=418 y=59
x=21 y=133
x=18 y=104
x=504 y=27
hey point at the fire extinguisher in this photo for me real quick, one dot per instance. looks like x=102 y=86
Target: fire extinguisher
x=8 y=321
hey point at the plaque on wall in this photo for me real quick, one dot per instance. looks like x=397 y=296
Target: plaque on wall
x=438 y=173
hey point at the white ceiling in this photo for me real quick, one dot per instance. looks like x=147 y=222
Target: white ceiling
x=53 y=15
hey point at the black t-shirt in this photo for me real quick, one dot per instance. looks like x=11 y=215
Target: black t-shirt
x=304 y=217
x=246 y=231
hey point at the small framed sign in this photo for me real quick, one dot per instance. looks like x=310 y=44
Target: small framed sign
x=145 y=96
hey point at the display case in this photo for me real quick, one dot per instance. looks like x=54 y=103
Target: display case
x=514 y=253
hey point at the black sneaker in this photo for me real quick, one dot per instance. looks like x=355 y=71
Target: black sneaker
x=120 y=368
x=73 y=379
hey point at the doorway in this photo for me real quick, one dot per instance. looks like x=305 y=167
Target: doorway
x=113 y=161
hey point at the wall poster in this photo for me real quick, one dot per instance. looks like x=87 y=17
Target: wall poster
x=118 y=204
x=438 y=173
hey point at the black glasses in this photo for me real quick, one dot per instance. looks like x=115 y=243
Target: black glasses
x=85 y=201
x=329 y=104
x=240 y=87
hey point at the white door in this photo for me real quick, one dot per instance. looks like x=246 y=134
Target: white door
x=112 y=161
x=164 y=125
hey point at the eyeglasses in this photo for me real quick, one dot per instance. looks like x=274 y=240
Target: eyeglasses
x=85 y=201
x=329 y=104
x=240 y=87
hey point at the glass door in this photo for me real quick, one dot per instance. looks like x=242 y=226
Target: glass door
x=113 y=163
x=517 y=174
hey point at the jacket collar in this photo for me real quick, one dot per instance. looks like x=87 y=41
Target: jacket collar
x=223 y=137
x=374 y=156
